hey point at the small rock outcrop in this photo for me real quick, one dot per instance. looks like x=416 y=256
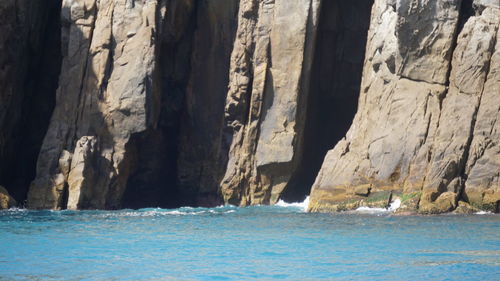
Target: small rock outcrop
x=81 y=176
x=6 y=201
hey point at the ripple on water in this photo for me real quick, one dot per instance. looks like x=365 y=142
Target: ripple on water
x=260 y=242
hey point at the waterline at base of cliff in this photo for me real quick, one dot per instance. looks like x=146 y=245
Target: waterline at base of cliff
x=260 y=242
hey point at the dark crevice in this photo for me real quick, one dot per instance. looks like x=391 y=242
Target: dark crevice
x=153 y=181
x=420 y=81
x=37 y=91
x=466 y=11
x=171 y=159
x=335 y=85
x=201 y=158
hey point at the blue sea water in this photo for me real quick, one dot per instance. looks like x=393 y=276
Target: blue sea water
x=254 y=243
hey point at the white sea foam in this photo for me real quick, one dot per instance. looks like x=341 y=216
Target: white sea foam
x=372 y=210
x=165 y=212
x=483 y=213
x=395 y=205
x=17 y=209
x=392 y=208
x=303 y=205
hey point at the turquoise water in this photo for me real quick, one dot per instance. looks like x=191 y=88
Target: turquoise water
x=229 y=243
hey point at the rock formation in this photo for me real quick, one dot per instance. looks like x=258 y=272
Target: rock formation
x=269 y=65
x=29 y=67
x=276 y=85
x=200 y=102
x=200 y=162
x=106 y=91
x=6 y=201
x=426 y=125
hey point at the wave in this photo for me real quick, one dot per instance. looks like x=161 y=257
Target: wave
x=483 y=213
x=303 y=205
x=280 y=206
x=392 y=208
x=184 y=211
x=16 y=209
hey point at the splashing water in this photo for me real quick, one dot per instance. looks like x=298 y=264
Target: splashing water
x=392 y=208
x=302 y=205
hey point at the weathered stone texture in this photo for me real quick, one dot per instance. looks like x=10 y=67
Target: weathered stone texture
x=201 y=161
x=203 y=102
x=29 y=65
x=6 y=201
x=81 y=177
x=106 y=91
x=425 y=117
x=482 y=187
x=267 y=97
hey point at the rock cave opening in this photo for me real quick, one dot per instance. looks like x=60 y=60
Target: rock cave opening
x=334 y=88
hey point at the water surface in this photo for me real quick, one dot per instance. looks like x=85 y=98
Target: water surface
x=230 y=243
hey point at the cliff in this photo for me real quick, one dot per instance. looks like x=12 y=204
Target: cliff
x=199 y=102
x=426 y=126
x=29 y=69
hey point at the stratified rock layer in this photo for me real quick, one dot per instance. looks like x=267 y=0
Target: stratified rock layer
x=426 y=125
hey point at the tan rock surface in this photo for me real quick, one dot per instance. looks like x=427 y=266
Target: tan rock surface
x=106 y=90
x=6 y=201
x=413 y=132
x=272 y=53
x=182 y=102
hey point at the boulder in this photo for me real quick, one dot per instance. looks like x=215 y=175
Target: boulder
x=6 y=201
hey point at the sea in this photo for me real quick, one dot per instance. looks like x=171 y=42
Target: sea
x=280 y=242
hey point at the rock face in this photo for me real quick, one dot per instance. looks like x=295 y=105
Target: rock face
x=129 y=68
x=81 y=176
x=200 y=160
x=271 y=96
x=29 y=66
x=265 y=106
x=106 y=91
x=426 y=125
x=201 y=102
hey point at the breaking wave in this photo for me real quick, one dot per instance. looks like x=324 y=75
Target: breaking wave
x=392 y=208
x=303 y=205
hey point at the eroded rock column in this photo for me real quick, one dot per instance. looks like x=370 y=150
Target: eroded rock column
x=106 y=92
x=266 y=102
